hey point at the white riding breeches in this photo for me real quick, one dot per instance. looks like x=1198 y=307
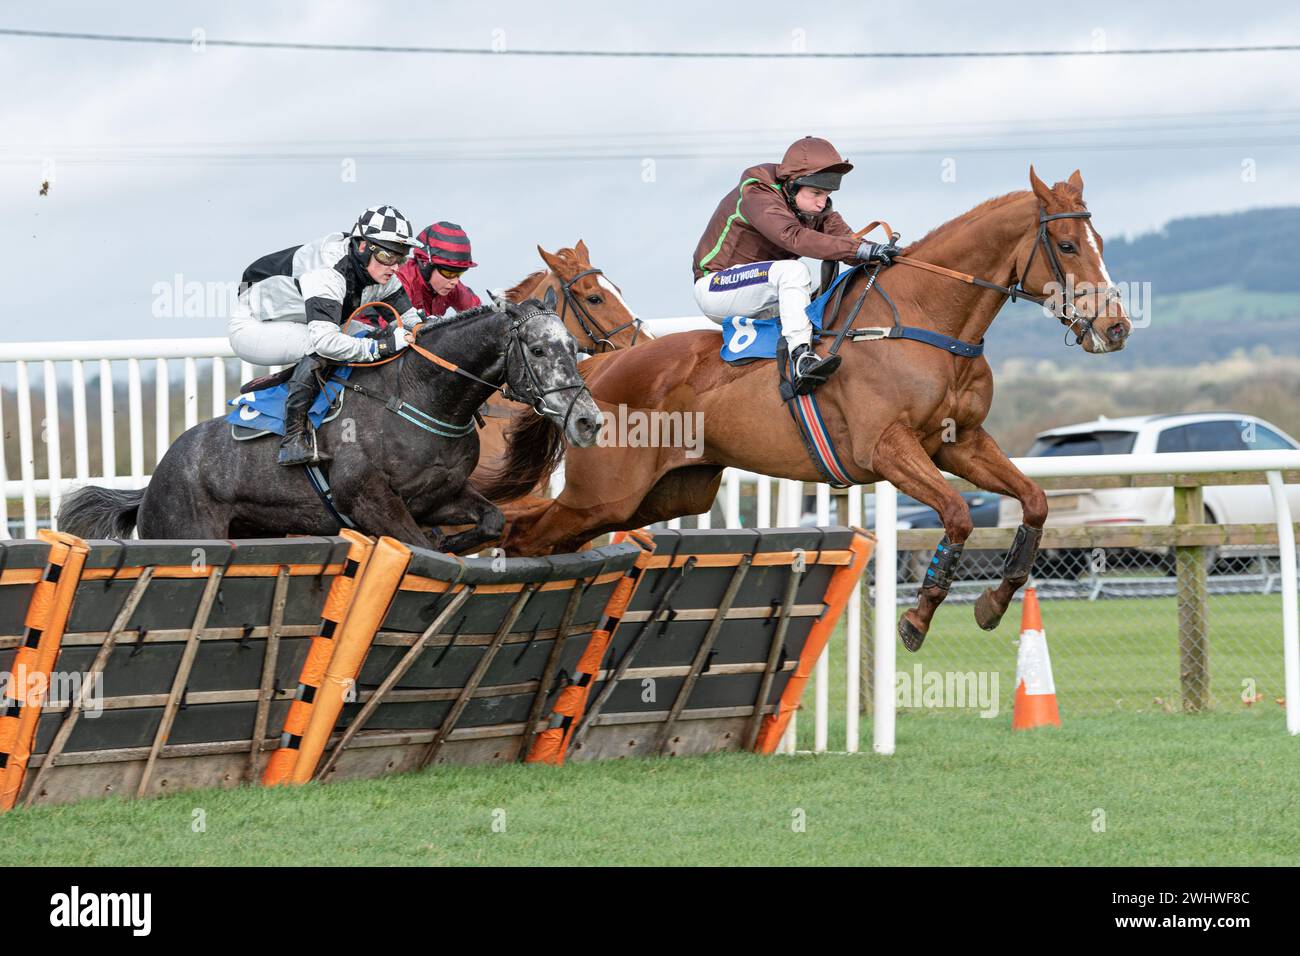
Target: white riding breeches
x=759 y=289
x=284 y=342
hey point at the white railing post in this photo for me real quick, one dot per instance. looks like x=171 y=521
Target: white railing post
x=886 y=568
x=853 y=639
x=26 y=454
x=135 y=412
x=762 y=502
x=80 y=431
x=4 y=477
x=1290 y=614
x=822 y=672
x=162 y=412
x=191 y=392
x=53 y=445
x=731 y=508
x=107 y=433
x=218 y=387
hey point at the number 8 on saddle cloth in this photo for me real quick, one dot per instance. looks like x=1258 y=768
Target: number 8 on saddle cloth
x=746 y=339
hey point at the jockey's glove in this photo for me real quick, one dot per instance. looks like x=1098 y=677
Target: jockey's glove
x=882 y=252
x=387 y=343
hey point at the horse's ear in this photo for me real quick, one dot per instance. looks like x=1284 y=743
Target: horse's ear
x=581 y=250
x=552 y=261
x=497 y=299
x=548 y=303
x=1076 y=182
x=1041 y=189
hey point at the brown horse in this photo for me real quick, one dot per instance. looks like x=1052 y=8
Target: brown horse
x=592 y=309
x=898 y=409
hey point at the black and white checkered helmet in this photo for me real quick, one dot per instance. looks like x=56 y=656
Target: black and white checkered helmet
x=387 y=228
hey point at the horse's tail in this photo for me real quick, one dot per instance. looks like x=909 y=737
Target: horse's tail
x=534 y=447
x=95 y=512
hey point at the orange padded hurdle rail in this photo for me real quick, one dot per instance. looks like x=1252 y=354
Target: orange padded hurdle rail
x=552 y=744
x=29 y=679
x=843 y=580
x=374 y=592
x=343 y=591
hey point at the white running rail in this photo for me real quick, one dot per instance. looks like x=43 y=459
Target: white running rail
x=109 y=356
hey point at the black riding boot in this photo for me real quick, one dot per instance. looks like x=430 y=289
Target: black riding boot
x=810 y=372
x=299 y=445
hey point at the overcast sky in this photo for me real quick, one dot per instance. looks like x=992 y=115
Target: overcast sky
x=167 y=160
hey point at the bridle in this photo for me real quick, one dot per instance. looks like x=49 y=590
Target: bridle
x=536 y=390
x=587 y=321
x=536 y=387
x=1068 y=311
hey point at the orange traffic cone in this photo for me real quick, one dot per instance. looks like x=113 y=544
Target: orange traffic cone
x=1035 y=689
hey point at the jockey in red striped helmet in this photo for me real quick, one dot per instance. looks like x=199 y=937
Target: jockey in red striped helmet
x=432 y=278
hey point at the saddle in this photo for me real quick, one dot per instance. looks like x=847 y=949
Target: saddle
x=258 y=410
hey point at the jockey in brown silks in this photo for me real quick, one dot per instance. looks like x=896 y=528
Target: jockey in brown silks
x=747 y=261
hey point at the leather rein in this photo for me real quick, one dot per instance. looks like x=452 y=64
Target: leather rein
x=536 y=401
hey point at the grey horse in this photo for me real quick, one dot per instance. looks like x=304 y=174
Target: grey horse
x=403 y=446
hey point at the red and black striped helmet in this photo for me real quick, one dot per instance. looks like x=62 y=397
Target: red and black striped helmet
x=445 y=244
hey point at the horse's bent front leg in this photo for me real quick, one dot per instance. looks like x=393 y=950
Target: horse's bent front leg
x=898 y=457
x=977 y=458
x=470 y=508
x=378 y=510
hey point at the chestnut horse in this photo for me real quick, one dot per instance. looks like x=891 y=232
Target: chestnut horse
x=592 y=309
x=898 y=409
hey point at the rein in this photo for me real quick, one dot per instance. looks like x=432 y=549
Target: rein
x=429 y=423
x=1068 y=310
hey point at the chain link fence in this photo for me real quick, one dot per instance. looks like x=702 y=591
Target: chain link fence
x=1125 y=630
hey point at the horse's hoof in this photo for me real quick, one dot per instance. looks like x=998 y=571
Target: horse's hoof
x=987 y=615
x=911 y=635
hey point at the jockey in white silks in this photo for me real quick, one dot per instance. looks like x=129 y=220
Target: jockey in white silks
x=293 y=303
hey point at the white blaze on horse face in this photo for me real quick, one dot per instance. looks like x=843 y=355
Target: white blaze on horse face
x=610 y=287
x=1101 y=263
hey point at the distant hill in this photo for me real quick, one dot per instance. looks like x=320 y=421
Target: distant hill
x=1217 y=284
x=1255 y=250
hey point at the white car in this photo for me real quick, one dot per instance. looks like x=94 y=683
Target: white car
x=1196 y=431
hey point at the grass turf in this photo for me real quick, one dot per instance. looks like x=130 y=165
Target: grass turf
x=1124 y=789
x=1113 y=786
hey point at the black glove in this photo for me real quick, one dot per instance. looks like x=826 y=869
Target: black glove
x=882 y=252
x=388 y=343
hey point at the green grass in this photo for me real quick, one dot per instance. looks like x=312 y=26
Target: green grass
x=1108 y=656
x=1225 y=303
x=1216 y=788
x=1179 y=790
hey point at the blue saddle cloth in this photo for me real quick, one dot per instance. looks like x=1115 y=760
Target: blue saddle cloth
x=746 y=340
x=263 y=410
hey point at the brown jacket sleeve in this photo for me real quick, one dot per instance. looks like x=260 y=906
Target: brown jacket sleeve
x=835 y=225
x=765 y=210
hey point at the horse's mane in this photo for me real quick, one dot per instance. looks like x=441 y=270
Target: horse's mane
x=989 y=205
x=516 y=293
x=567 y=254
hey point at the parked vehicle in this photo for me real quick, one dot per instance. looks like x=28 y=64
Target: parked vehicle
x=1185 y=432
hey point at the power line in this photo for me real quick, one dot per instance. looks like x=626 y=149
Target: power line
x=535 y=157
x=644 y=54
